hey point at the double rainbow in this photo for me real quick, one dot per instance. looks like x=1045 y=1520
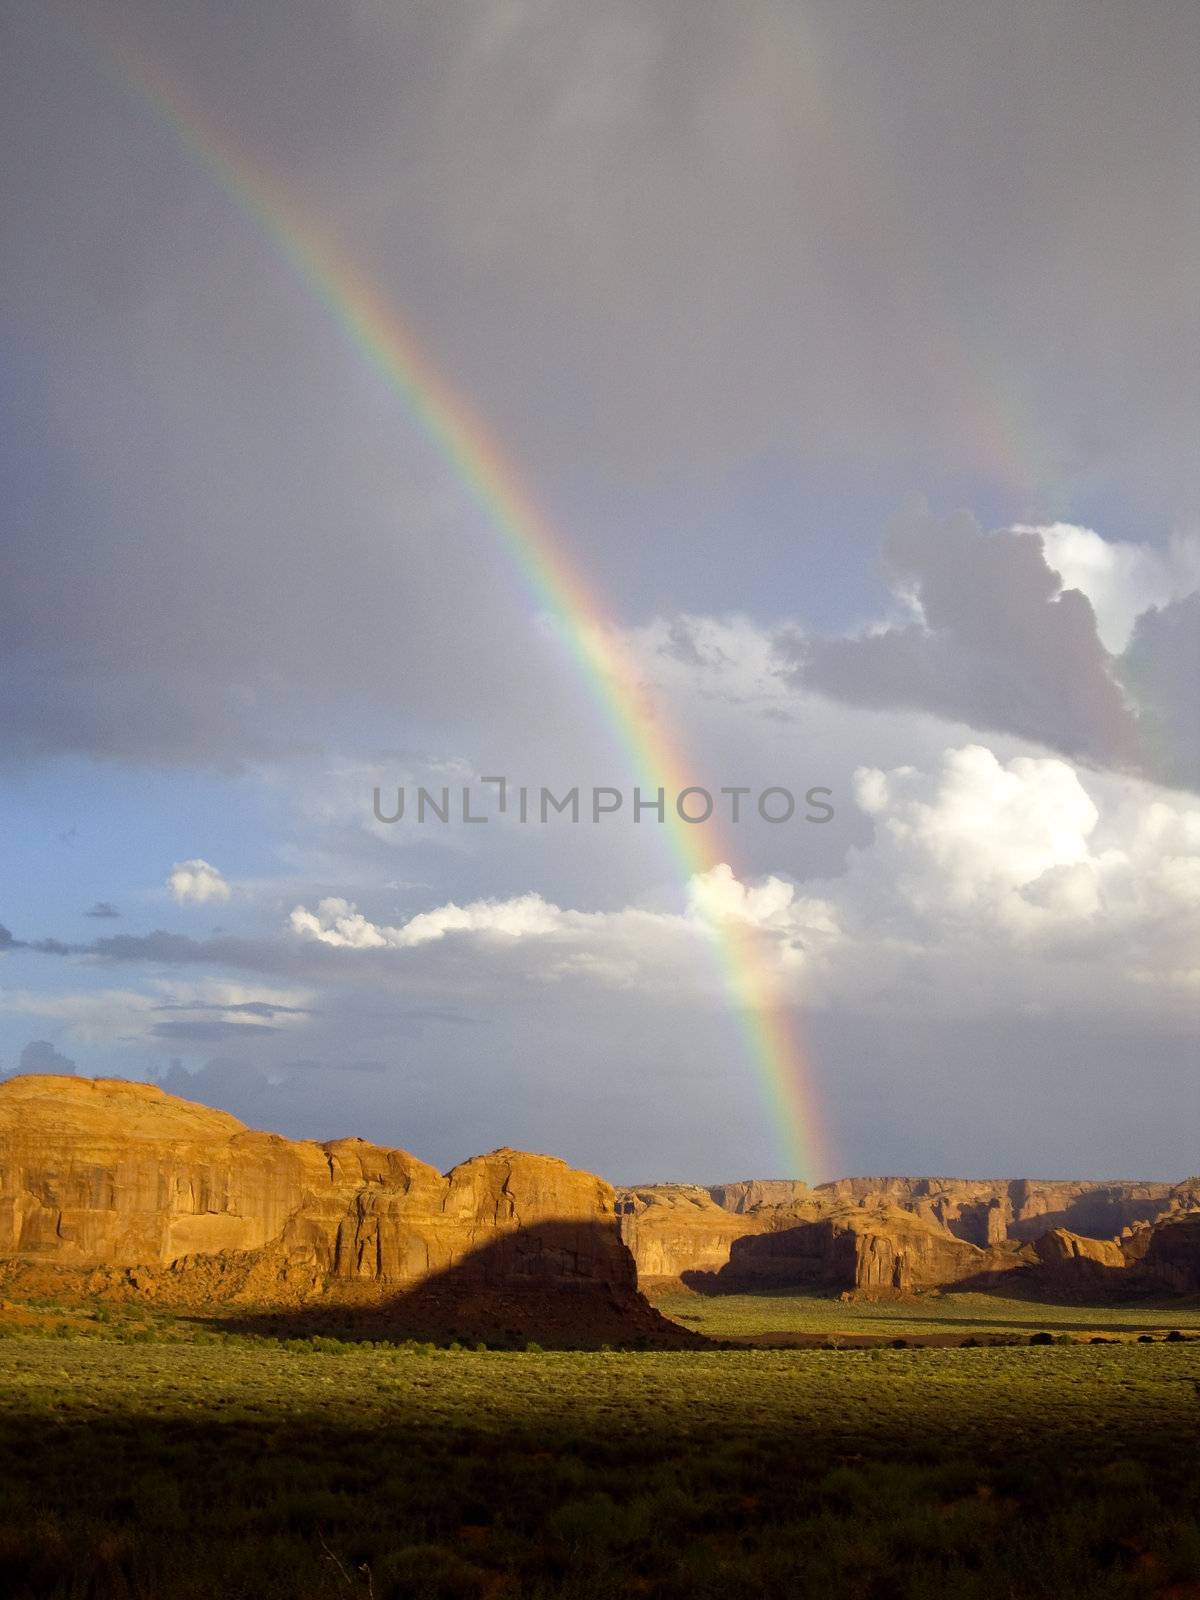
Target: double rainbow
x=371 y=323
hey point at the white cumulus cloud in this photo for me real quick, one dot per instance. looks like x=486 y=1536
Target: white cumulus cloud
x=1018 y=882
x=337 y=922
x=1120 y=579
x=630 y=946
x=978 y=831
x=197 y=883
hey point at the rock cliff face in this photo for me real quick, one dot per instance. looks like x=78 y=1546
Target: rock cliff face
x=1059 y=1247
x=1172 y=1254
x=886 y=1250
x=742 y=1197
x=97 y=1172
x=136 y=1191
x=898 y=1234
x=675 y=1229
x=684 y=1234
x=186 y=1203
x=986 y=1211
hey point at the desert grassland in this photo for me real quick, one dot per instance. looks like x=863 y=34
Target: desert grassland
x=728 y=1316
x=230 y=1466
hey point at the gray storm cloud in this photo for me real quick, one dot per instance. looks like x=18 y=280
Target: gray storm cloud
x=39 y=1055
x=1162 y=668
x=639 y=237
x=998 y=644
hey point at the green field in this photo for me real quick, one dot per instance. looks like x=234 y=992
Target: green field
x=753 y=1315
x=140 y=1466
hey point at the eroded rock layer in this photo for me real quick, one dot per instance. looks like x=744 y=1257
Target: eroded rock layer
x=143 y=1189
x=904 y=1234
x=131 y=1190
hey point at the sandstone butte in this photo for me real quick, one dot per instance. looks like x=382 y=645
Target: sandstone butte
x=116 y=1188
x=121 y=1189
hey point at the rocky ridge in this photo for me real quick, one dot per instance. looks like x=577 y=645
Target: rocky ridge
x=118 y=1188
x=903 y=1234
x=126 y=1189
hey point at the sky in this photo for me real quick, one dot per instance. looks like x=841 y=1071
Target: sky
x=845 y=357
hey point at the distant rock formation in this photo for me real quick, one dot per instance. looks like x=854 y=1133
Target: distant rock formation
x=674 y=1229
x=985 y=1211
x=887 y=1250
x=880 y=1235
x=819 y=1243
x=1172 y=1253
x=742 y=1197
x=155 y=1195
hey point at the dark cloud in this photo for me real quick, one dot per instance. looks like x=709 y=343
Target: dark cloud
x=39 y=1055
x=307 y=960
x=201 y=1029
x=180 y=950
x=682 y=644
x=209 y=1030
x=1161 y=668
x=103 y=909
x=1027 y=1111
x=167 y=949
x=249 y=1008
x=1000 y=645
x=227 y=1085
x=643 y=239
x=45 y=947
x=292 y=1099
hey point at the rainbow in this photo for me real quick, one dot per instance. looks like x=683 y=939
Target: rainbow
x=370 y=322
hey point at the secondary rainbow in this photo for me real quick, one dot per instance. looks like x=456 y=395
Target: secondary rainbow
x=768 y=1027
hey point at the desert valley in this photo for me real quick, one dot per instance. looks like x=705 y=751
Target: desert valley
x=242 y=1364
x=117 y=1190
